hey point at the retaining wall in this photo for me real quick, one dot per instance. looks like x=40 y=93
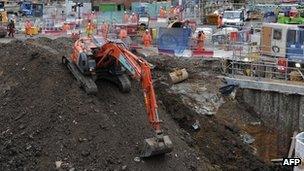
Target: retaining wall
x=283 y=112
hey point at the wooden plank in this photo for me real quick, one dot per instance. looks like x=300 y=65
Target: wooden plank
x=292 y=145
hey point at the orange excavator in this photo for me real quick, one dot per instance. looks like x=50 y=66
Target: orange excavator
x=99 y=58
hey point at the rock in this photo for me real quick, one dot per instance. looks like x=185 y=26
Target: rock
x=255 y=123
x=72 y=169
x=137 y=159
x=193 y=167
x=101 y=126
x=248 y=139
x=21 y=126
x=28 y=147
x=208 y=110
x=58 y=164
x=124 y=167
x=19 y=116
x=65 y=165
x=83 y=113
x=82 y=139
x=85 y=153
x=110 y=160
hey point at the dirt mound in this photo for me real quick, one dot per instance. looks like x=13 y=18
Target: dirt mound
x=46 y=118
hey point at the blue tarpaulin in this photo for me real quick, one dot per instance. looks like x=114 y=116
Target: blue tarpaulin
x=173 y=39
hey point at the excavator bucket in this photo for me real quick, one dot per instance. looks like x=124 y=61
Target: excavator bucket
x=155 y=146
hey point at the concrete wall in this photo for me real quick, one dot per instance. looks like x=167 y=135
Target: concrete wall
x=283 y=112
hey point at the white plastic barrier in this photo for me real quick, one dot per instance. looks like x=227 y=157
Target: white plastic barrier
x=299 y=151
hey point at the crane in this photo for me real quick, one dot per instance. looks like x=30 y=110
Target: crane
x=96 y=58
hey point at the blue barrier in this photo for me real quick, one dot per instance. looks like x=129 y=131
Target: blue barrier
x=173 y=39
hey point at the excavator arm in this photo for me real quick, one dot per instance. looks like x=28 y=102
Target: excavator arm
x=139 y=69
x=143 y=72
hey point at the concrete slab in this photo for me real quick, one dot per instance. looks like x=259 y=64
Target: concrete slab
x=201 y=95
x=288 y=87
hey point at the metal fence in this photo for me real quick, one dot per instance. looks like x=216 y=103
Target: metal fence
x=269 y=68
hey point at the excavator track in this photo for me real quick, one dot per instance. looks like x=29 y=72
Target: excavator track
x=124 y=83
x=85 y=82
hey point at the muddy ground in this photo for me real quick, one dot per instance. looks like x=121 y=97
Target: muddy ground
x=46 y=118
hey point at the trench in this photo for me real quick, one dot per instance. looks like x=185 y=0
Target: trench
x=283 y=115
x=217 y=139
x=269 y=117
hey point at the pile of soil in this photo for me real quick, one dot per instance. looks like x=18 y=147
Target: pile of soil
x=46 y=118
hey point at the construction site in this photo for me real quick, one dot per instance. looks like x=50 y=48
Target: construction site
x=170 y=85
